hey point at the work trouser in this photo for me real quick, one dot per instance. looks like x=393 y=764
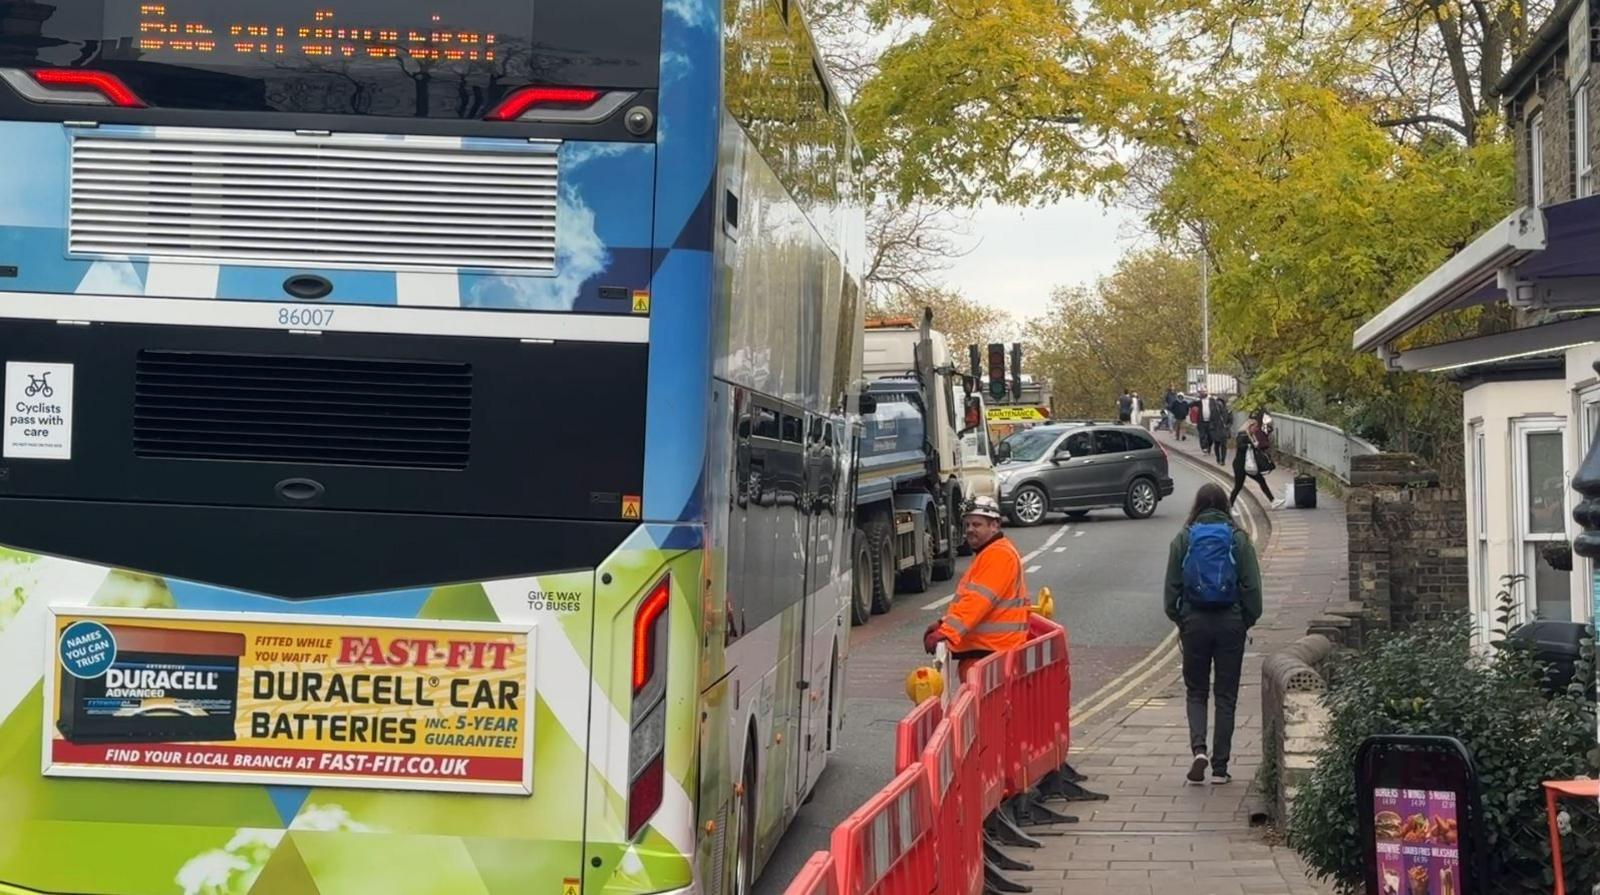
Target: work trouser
x=1212 y=641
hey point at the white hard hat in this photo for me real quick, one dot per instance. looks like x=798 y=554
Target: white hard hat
x=982 y=506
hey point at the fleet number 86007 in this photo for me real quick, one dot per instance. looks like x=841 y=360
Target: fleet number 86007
x=312 y=317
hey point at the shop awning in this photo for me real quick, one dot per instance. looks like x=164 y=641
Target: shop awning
x=1471 y=277
x=1535 y=259
x=1546 y=338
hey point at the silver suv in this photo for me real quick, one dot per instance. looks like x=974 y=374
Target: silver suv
x=1078 y=467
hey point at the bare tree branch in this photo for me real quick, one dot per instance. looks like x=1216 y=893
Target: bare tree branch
x=910 y=245
x=1410 y=120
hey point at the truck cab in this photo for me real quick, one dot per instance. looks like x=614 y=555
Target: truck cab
x=966 y=466
x=977 y=475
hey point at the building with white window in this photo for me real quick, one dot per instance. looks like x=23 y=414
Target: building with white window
x=1531 y=395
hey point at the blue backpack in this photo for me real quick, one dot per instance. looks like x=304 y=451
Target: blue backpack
x=1210 y=575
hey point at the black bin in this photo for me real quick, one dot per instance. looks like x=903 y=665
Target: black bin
x=1555 y=644
x=1305 y=491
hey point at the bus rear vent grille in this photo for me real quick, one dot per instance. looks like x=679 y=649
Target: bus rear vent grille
x=290 y=409
x=291 y=200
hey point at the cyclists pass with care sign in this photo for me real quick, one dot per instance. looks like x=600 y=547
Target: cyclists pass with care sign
x=1213 y=594
x=990 y=610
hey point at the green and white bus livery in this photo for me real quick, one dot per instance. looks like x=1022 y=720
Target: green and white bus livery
x=426 y=443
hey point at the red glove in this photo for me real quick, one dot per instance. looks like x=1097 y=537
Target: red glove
x=932 y=636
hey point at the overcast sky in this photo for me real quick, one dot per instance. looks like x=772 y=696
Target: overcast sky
x=1022 y=254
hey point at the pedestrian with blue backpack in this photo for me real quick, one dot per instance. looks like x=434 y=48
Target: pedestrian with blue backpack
x=1213 y=595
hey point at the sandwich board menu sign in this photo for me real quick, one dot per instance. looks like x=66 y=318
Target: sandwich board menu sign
x=1420 y=815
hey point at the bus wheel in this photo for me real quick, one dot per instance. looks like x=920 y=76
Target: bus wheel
x=860 y=580
x=881 y=544
x=744 y=857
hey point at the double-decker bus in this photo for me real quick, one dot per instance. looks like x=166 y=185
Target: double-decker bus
x=426 y=447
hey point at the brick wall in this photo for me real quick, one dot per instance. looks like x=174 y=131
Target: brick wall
x=1558 y=185
x=1551 y=96
x=1408 y=544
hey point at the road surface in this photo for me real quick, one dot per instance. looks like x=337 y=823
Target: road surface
x=1105 y=571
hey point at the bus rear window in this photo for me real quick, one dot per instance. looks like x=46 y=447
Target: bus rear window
x=400 y=58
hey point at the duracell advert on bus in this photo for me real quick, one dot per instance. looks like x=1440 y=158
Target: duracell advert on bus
x=164 y=685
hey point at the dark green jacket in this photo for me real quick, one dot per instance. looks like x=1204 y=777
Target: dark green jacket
x=1244 y=556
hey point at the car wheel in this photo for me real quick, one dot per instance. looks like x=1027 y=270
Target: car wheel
x=1142 y=499
x=861 y=580
x=915 y=579
x=1077 y=514
x=878 y=543
x=1029 y=505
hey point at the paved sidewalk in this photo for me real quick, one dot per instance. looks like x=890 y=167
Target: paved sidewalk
x=1156 y=835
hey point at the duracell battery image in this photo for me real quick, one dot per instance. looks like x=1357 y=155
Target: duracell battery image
x=165 y=686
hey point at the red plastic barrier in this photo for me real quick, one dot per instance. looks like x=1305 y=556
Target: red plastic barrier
x=965 y=875
x=818 y=877
x=888 y=845
x=988 y=680
x=914 y=731
x=1038 y=728
x=939 y=763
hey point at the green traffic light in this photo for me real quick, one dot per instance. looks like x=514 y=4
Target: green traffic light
x=997 y=389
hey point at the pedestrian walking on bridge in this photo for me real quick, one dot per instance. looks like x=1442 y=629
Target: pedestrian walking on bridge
x=1213 y=595
x=1253 y=459
x=990 y=611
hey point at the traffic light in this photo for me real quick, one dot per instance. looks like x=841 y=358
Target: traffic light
x=997 y=370
x=1016 y=371
x=976 y=364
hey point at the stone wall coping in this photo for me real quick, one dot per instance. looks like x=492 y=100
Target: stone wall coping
x=1293 y=668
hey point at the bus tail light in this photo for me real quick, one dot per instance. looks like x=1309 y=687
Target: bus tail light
x=648 y=726
x=76 y=85
x=529 y=98
x=647 y=624
x=644 y=795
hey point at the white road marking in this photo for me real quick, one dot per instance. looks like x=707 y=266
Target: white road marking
x=1158 y=660
x=1077 y=534
x=1032 y=569
x=1049 y=542
x=1061 y=550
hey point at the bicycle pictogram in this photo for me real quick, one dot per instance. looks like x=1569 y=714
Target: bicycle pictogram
x=39 y=385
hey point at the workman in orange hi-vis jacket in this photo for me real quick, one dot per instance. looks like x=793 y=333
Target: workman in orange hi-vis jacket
x=990 y=610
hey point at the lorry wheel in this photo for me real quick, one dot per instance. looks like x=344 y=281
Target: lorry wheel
x=879 y=543
x=944 y=564
x=915 y=579
x=861 y=579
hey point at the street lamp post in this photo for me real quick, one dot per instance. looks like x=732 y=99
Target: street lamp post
x=1205 y=309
